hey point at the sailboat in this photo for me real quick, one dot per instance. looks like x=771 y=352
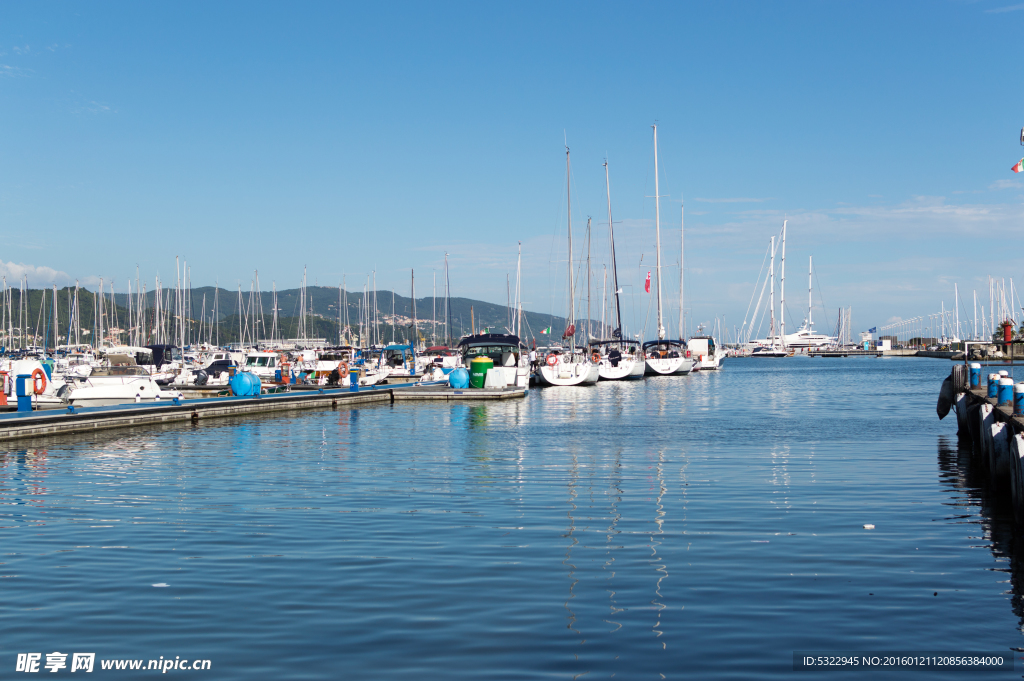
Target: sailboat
x=568 y=366
x=664 y=357
x=805 y=337
x=619 y=358
x=771 y=347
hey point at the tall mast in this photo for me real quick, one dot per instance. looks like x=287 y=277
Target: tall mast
x=975 y=336
x=682 y=252
x=519 y=291
x=782 y=289
x=433 y=311
x=415 y=329
x=956 y=306
x=572 y=283
x=657 y=233
x=447 y=304
x=615 y=271
x=810 y=288
x=590 y=333
x=771 y=294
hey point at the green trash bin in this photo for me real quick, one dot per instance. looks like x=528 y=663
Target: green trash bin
x=478 y=369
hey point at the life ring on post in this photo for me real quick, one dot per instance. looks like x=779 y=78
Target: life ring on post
x=596 y=356
x=552 y=360
x=38 y=375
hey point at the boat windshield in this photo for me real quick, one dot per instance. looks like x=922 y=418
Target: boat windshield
x=257 y=361
x=501 y=355
x=119 y=371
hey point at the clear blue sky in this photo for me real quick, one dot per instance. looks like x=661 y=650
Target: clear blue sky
x=247 y=136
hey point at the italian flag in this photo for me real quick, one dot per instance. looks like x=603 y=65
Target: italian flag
x=1019 y=166
x=546 y=331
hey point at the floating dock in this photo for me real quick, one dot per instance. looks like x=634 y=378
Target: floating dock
x=49 y=422
x=997 y=437
x=844 y=353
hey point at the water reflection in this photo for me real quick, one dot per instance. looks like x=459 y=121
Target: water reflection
x=971 y=488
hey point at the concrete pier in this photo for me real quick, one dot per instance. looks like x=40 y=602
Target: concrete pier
x=19 y=425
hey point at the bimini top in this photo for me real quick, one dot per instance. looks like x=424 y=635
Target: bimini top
x=398 y=347
x=492 y=339
x=650 y=344
x=618 y=342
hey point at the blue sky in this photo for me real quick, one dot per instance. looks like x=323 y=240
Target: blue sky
x=347 y=138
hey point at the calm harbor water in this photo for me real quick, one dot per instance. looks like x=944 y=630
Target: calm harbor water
x=703 y=527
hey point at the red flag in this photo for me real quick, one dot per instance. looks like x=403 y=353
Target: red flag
x=1019 y=167
x=647 y=284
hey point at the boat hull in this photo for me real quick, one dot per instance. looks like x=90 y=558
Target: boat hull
x=569 y=374
x=627 y=370
x=668 y=366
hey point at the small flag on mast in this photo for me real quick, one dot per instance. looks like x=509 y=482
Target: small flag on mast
x=1019 y=166
x=546 y=331
x=647 y=284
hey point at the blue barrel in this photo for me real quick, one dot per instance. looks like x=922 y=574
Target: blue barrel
x=993 y=385
x=1006 y=391
x=975 y=375
x=1018 y=399
x=24 y=396
x=277 y=375
x=459 y=379
x=245 y=384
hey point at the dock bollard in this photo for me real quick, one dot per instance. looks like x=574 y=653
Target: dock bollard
x=975 y=375
x=993 y=385
x=1018 y=399
x=353 y=381
x=1006 y=391
x=24 y=396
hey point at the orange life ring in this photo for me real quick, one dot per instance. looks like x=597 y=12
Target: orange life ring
x=38 y=375
x=343 y=369
x=596 y=357
x=552 y=359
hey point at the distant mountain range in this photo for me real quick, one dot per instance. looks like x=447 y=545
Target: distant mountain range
x=256 y=312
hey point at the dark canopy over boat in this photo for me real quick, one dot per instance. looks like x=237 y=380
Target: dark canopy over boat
x=492 y=339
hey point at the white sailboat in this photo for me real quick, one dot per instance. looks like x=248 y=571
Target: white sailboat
x=568 y=366
x=618 y=358
x=772 y=347
x=664 y=357
x=805 y=337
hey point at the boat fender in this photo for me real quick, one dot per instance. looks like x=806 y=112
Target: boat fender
x=37 y=376
x=552 y=360
x=687 y=354
x=945 y=398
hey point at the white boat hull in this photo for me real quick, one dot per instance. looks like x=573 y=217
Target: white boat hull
x=668 y=366
x=569 y=373
x=627 y=369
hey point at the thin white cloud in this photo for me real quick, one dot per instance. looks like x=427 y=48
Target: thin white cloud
x=37 y=275
x=1006 y=184
x=93 y=107
x=12 y=71
x=1008 y=8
